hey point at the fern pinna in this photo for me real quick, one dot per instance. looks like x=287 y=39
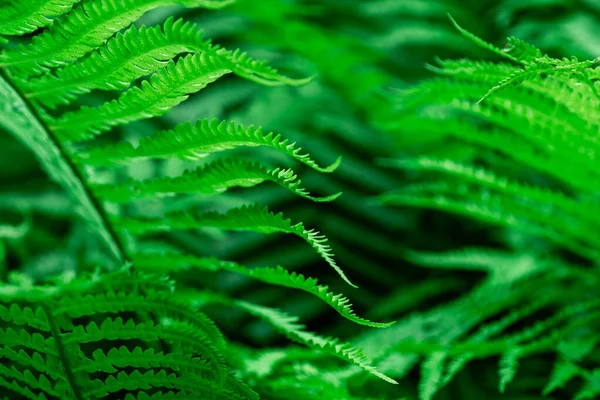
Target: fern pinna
x=489 y=122
x=131 y=333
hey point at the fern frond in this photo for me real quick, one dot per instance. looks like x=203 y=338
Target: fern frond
x=23 y=391
x=520 y=147
x=511 y=346
x=84 y=29
x=542 y=336
x=34 y=341
x=534 y=62
x=562 y=372
x=124 y=58
x=19 y=315
x=488 y=207
x=27 y=381
x=276 y=276
x=508 y=367
x=546 y=67
x=517 y=110
x=482 y=43
x=487 y=332
x=192 y=141
x=138 y=52
x=551 y=209
x=589 y=391
x=156 y=96
x=523 y=51
x=122 y=357
x=116 y=329
x=515 y=49
x=538 y=131
x=213 y=178
x=19 y=18
x=247 y=218
x=431 y=375
x=63 y=365
x=473 y=70
x=48 y=365
x=580 y=100
x=294 y=331
x=162 y=379
x=199 y=368
x=120 y=302
x=583 y=210
x=182 y=336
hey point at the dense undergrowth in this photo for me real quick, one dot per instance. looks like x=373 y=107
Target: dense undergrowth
x=147 y=266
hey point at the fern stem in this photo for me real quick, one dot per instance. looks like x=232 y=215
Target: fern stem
x=20 y=117
x=62 y=352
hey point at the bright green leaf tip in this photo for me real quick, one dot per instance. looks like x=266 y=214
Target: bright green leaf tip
x=332 y=167
x=325 y=199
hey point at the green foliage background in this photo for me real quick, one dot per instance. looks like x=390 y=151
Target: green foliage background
x=480 y=308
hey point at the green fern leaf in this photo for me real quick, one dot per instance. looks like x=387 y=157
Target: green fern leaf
x=294 y=331
x=480 y=42
x=64 y=370
x=48 y=365
x=470 y=70
x=162 y=379
x=546 y=67
x=212 y=178
x=164 y=90
x=247 y=218
x=17 y=315
x=543 y=139
x=182 y=336
x=487 y=332
x=508 y=367
x=27 y=378
x=431 y=375
x=18 y=18
x=139 y=52
x=561 y=373
x=34 y=341
x=192 y=141
x=120 y=302
x=85 y=28
x=276 y=276
x=122 y=358
x=591 y=388
x=22 y=390
x=505 y=211
x=524 y=52
x=490 y=180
